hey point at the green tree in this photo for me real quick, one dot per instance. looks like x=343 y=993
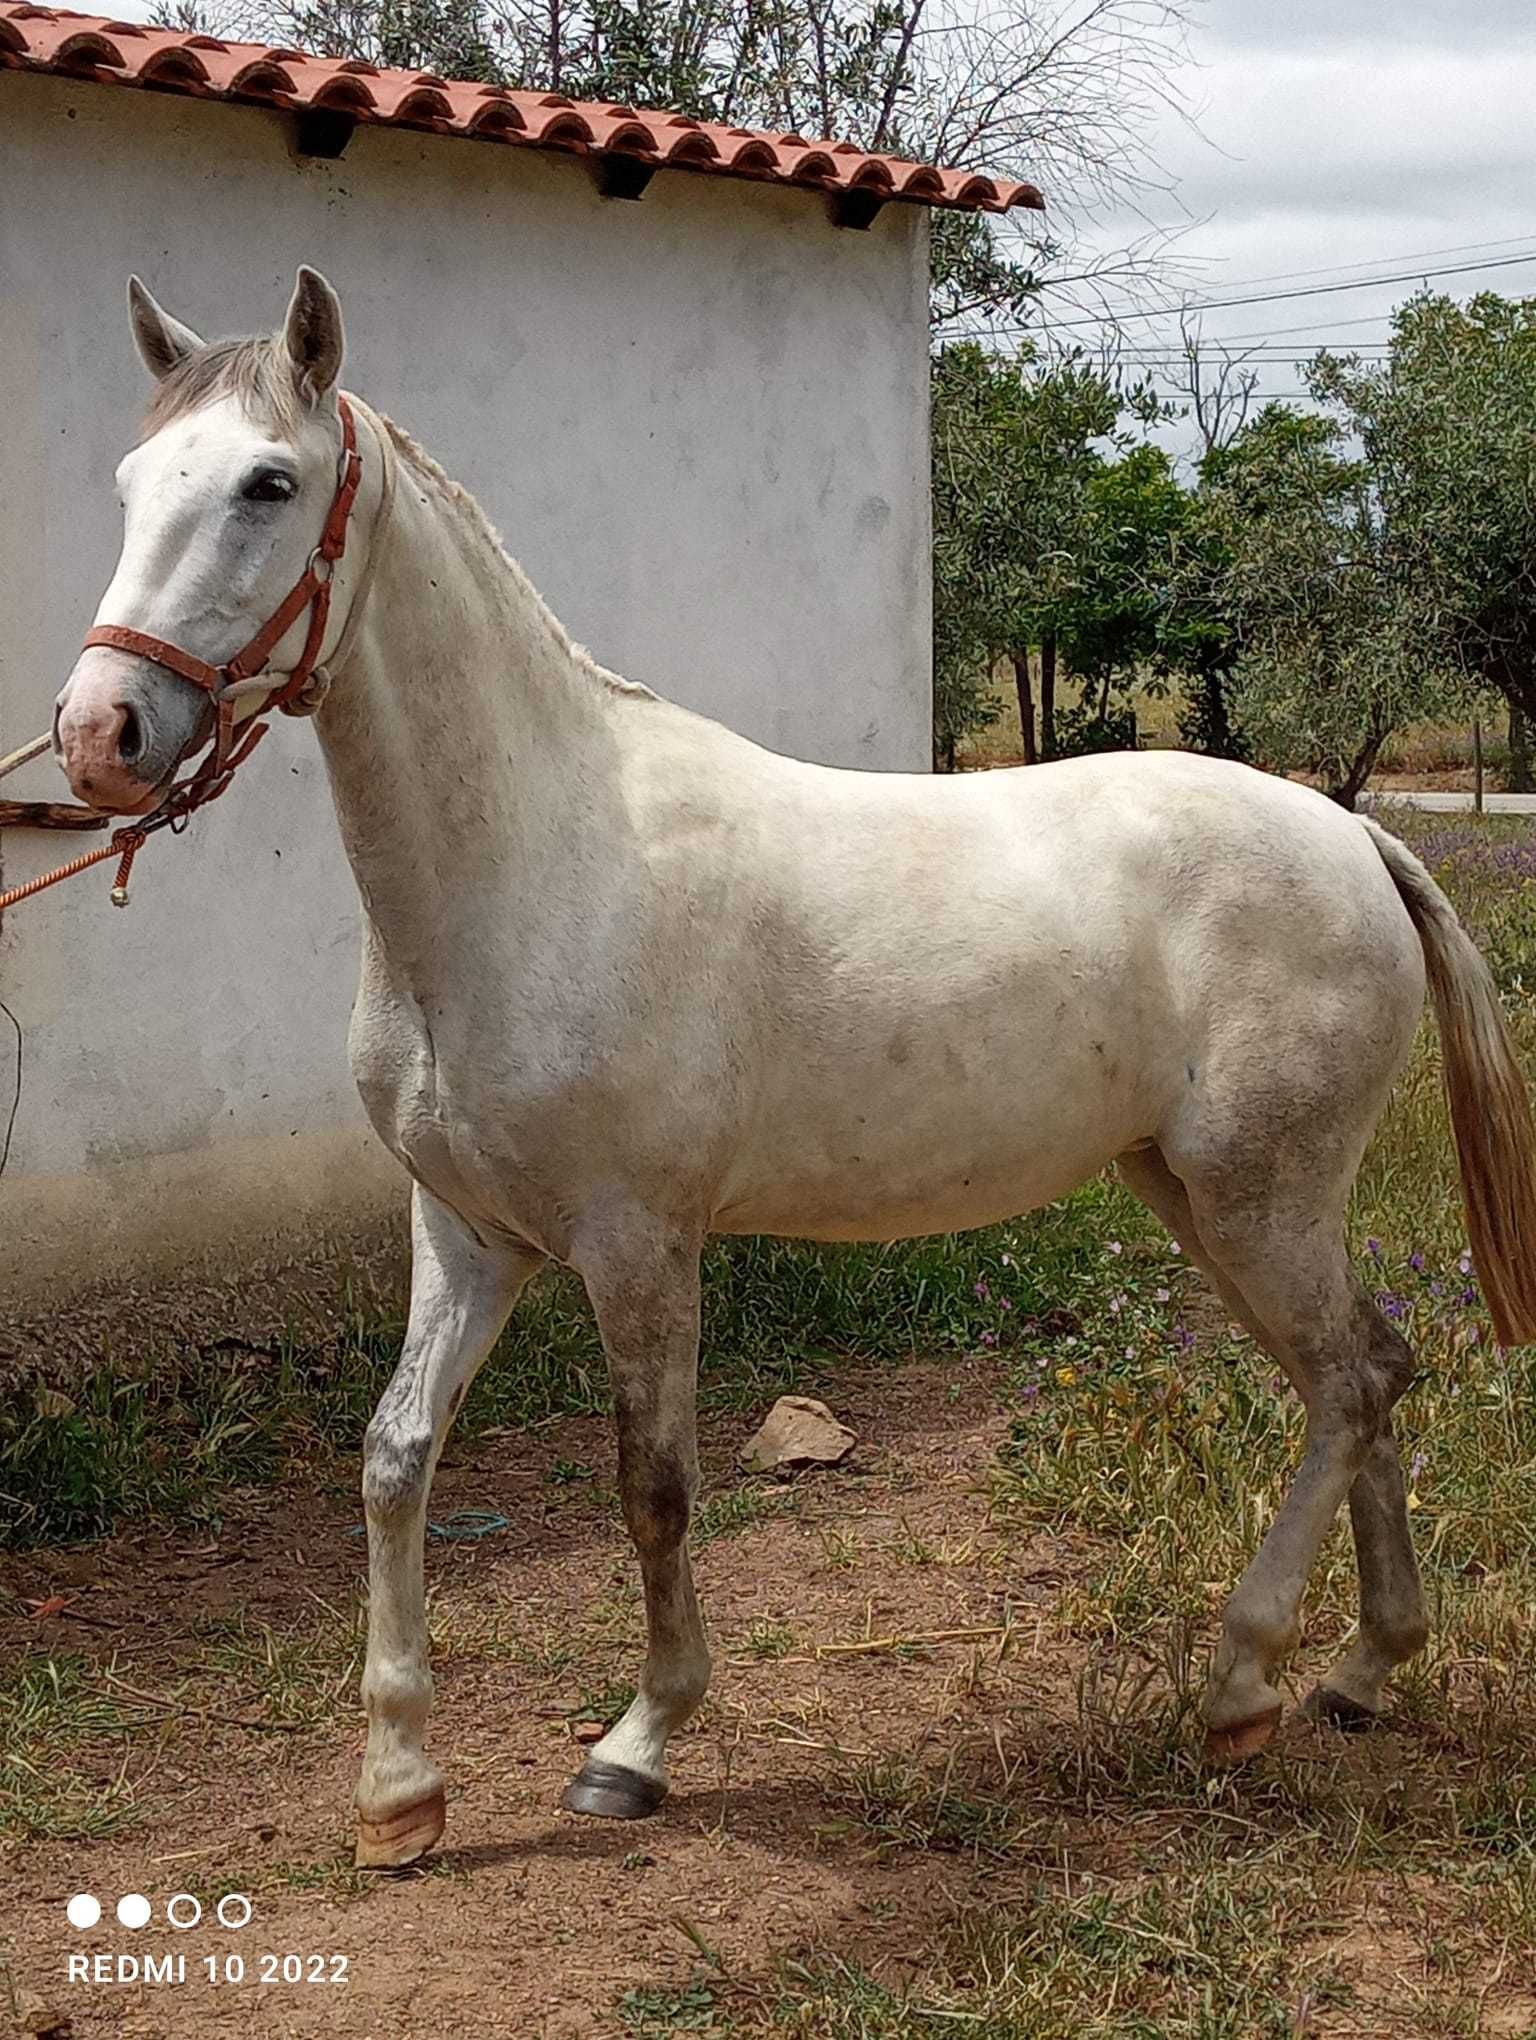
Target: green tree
x=1014 y=459
x=1318 y=590
x=1447 y=431
x=1120 y=625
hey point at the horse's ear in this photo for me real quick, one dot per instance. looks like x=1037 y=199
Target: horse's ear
x=162 y=341
x=313 y=335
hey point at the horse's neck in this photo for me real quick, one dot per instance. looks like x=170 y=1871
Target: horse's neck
x=464 y=734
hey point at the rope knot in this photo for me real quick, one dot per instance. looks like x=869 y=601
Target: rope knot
x=311 y=696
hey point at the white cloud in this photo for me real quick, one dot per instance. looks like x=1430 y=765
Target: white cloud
x=1336 y=135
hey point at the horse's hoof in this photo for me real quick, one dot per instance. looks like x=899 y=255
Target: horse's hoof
x=1241 y=1739
x=403 y=1838
x=612 y=1791
x=1337 y=1710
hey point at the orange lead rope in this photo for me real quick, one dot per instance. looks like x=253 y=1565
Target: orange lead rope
x=125 y=844
x=312 y=591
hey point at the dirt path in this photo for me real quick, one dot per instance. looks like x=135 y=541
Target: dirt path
x=532 y=1921
x=916 y=1736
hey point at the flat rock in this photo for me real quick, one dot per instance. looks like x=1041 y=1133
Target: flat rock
x=797 y=1431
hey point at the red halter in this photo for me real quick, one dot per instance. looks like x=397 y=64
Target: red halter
x=312 y=591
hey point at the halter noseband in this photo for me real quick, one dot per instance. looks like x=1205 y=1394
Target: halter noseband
x=227 y=683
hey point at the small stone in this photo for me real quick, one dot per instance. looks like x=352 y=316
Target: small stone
x=588 y=1732
x=797 y=1431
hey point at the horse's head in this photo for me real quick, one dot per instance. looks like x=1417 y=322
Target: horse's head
x=225 y=499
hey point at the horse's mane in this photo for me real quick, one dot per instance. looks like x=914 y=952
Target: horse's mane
x=256 y=371
x=468 y=506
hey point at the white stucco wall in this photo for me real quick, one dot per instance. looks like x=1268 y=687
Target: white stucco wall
x=700 y=421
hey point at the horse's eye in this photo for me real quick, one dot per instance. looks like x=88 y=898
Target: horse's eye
x=270 y=486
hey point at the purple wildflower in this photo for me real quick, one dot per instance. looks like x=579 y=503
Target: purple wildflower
x=1392 y=1306
x=1415 y=1469
x=982 y=1291
x=1416 y=1263
x=1373 y=1248
x=1183 y=1338
x=989 y=1338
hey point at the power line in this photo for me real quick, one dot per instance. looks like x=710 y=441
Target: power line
x=1283 y=332
x=1370 y=261
x=1281 y=296
x=1272 y=351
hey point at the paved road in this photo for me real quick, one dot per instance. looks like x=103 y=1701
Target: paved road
x=1455 y=803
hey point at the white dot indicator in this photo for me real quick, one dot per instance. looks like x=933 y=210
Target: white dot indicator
x=133 y=1910
x=83 y=1911
x=226 y=1909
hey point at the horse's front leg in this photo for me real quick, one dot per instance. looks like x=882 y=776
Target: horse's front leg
x=644 y=1286
x=461 y=1293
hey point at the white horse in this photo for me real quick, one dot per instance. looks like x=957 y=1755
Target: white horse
x=629 y=980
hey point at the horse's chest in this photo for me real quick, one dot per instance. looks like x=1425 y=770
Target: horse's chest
x=456 y=1115
x=396 y=1068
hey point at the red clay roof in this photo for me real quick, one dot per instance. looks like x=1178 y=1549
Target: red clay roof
x=203 y=67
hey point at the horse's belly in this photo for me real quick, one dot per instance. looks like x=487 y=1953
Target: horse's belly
x=877 y=1164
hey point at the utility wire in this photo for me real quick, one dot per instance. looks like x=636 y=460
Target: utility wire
x=1375 y=261
x=1275 y=296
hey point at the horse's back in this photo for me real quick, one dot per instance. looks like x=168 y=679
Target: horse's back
x=975 y=994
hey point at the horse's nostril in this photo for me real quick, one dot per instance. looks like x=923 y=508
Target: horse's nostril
x=130 y=738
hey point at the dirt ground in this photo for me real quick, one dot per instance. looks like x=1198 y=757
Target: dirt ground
x=532 y=1921
x=870 y=1616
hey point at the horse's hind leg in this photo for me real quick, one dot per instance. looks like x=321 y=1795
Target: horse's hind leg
x=461 y=1293
x=1283 y=1273
x=1144 y=1172
x=1393 y=1620
x=1349 y=1367
x=1394 y=1624
x=644 y=1284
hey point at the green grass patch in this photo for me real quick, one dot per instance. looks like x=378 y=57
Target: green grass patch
x=172 y=1444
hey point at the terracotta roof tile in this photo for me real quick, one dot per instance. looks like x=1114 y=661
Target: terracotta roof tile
x=204 y=67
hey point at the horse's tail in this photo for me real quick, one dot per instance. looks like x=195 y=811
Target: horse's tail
x=1490 y=1107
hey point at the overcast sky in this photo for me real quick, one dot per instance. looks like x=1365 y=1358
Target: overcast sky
x=1336 y=133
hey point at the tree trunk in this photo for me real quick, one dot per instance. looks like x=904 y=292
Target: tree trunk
x=1026 y=692
x=1520 y=776
x=1218 y=723
x=949 y=751
x=1352 y=785
x=1048 y=695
